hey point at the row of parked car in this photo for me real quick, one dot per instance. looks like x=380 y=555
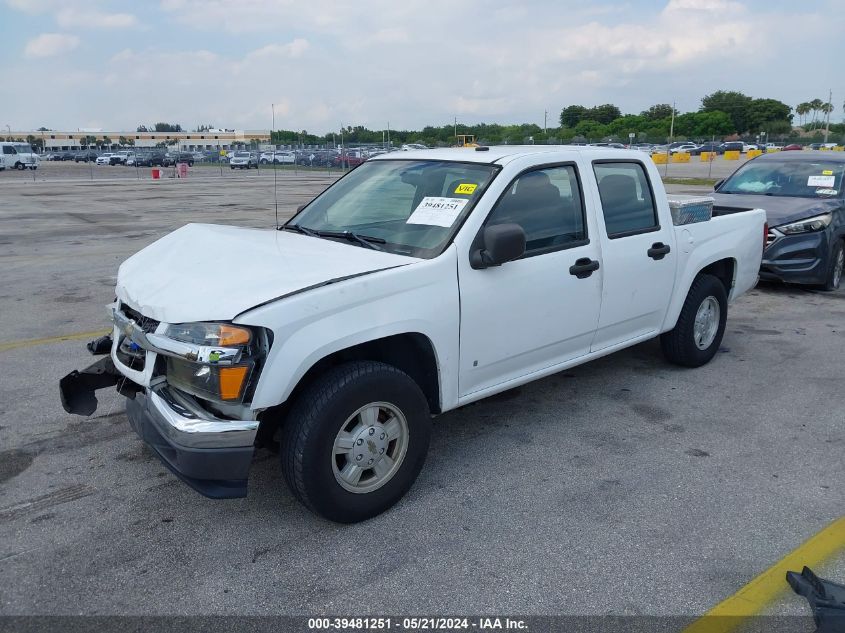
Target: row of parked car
x=243 y=159
x=128 y=157
x=718 y=147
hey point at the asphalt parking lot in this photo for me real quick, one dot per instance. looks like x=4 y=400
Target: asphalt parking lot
x=624 y=486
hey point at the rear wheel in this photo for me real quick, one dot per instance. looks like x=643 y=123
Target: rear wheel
x=837 y=266
x=355 y=441
x=698 y=333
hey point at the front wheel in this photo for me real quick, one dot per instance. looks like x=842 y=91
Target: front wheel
x=837 y=266
x=698 y=333
x=355 y=441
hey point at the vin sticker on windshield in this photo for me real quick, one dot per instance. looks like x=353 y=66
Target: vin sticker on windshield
x=435 y=211
x=821 y=181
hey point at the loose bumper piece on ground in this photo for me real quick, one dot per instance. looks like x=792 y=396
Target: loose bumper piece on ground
x=78 y=387
x=827 y=599
x=100 y=346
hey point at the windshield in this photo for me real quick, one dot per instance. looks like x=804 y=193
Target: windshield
x=791 y=178
x=241 y=154
x=414 y=206
x=23 y=149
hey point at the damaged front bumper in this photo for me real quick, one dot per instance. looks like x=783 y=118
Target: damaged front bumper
x=212 y=455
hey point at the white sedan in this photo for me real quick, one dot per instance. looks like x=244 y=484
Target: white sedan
x=284 y=158
x=689 y=147
x=105 y=159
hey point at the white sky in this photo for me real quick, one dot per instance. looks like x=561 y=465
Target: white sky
x=71 y=64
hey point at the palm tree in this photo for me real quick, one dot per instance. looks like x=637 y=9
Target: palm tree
x=801 y=110
x=815 y=107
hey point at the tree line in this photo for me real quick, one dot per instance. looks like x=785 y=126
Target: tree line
x=721 y=114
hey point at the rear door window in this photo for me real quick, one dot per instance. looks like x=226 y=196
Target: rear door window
x=626 y=199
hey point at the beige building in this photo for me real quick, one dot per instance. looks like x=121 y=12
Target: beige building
x=55 y=140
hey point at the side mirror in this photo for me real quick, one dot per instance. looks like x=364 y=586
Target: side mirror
x=718 y=184
x=500 y=243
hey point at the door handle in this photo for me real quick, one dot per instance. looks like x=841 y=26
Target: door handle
x=584 y=267
x=658 y=250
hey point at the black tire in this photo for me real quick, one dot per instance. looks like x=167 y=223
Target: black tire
x=19 y=166
x=317 y=416
x=679 y=345
x=835 y=271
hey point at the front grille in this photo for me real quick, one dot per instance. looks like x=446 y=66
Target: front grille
x=147 y=324
x=129 y=353
x=771 y=236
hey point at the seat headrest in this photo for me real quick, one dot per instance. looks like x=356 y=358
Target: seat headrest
x=616 y=189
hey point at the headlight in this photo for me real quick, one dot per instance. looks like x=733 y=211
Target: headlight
x=816 y=223
x=211 y=380
x=214 y=334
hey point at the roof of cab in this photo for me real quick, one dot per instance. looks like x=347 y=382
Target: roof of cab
x=500 y=154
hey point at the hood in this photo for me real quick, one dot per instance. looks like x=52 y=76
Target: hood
x=208 y=272
x=779 y=209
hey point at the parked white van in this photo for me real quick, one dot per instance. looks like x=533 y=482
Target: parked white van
x=19 y=156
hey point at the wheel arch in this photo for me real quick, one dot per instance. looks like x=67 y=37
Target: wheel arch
x=411 y=352
x=723 y=268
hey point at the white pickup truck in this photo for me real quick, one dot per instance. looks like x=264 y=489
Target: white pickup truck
x=411 y=286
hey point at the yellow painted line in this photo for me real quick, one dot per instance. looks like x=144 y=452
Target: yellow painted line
x=729 y=614
x=5 y=347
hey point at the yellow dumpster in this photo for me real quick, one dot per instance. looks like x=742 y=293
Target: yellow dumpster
x=659 y=159
x=706 y=157
x=839 y=148
x=752 y=153
x=680 y=157
x=732 y=155
x=823 y=148
x=770 y=150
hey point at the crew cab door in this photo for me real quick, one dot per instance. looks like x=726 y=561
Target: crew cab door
x=537 y=311
x=638 y=253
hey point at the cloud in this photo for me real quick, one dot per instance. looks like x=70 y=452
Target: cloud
x=49 y=45
x=293 y=49
x=330 y=62
x=712 y=6
x=26 y=6
x=72 y=18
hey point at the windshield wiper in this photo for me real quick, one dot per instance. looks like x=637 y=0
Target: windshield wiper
x=364 y=240
x=299 y=229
